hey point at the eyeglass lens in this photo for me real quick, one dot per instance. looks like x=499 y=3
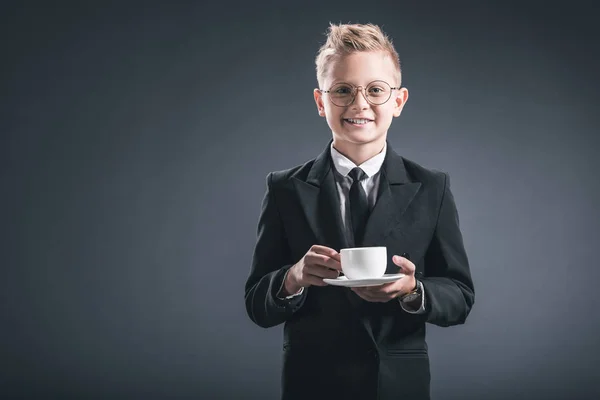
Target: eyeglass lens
x=377 y=93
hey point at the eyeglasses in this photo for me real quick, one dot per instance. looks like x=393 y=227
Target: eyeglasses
x=376 y=93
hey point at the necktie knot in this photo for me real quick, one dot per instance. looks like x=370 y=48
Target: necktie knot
x=357 y=174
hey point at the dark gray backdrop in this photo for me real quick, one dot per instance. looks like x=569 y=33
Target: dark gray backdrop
x=135 y=144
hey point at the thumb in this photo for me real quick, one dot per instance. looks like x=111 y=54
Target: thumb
x=404 y=264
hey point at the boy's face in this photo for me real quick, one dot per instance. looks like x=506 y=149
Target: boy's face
x=360 y=122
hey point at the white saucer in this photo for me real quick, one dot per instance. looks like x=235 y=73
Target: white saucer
x=344 y=281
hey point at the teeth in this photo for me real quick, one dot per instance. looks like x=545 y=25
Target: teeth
x=358 y=121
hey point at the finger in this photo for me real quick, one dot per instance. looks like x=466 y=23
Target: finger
x=321 y=271
x=406 y=266
x=323 y=260
x=393 y=289
x=326 y=251
x=314 y=280
x=366 y=295
x=378 y=297
x=386 y=289
x=326 y=261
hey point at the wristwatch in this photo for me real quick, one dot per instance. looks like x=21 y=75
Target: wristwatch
x=413 y=294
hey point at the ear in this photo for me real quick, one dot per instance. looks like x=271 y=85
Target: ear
x=319 y=102
x=400 y=99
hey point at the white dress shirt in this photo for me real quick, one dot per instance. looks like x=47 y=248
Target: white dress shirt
x=342 y=167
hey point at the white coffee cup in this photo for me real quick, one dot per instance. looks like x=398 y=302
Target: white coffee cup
x=364 y=262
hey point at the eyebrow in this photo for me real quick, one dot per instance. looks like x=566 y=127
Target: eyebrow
x=346 y=82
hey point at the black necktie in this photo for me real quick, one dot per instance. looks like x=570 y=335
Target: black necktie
x=359 y=206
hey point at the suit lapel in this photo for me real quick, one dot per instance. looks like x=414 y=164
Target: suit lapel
x=396 y=192
x=320 y=202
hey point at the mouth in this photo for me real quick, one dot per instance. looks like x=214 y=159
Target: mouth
x=358 y=121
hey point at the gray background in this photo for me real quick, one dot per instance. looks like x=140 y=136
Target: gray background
x=134 y=149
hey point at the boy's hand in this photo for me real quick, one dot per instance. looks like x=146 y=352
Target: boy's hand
x=319 y=262
x=388 y=291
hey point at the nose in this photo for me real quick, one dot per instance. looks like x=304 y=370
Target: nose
x=360 y=101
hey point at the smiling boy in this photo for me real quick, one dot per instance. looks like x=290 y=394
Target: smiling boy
x=359 y=343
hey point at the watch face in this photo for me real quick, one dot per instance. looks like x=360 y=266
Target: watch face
x=410 y=297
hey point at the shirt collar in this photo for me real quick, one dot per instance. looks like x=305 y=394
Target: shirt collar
x=344 y=165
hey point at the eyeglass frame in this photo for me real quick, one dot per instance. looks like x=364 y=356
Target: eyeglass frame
x=363 y=91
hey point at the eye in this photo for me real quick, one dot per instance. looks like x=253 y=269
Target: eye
x=342 y=90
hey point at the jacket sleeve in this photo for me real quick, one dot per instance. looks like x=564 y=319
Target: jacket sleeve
x=449 y=290
x=270 y=263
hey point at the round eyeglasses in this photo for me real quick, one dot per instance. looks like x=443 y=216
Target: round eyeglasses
x=376 y=93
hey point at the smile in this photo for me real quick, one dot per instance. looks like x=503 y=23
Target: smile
x=359 y=121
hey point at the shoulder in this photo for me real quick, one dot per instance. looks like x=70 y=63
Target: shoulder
x=429 y=177
x=281 y=178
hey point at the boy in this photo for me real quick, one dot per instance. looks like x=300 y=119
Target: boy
x=367 y=342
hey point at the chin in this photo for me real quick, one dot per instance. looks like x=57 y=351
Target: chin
x=361 y=137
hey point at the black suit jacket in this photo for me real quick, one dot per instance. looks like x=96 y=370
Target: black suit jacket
x=335 y=344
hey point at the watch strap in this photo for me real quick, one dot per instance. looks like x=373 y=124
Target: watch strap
x=417 y=290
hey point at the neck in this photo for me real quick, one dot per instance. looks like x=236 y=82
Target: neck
x=358 y=153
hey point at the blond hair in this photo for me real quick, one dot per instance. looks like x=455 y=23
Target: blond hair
x=344 y=39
